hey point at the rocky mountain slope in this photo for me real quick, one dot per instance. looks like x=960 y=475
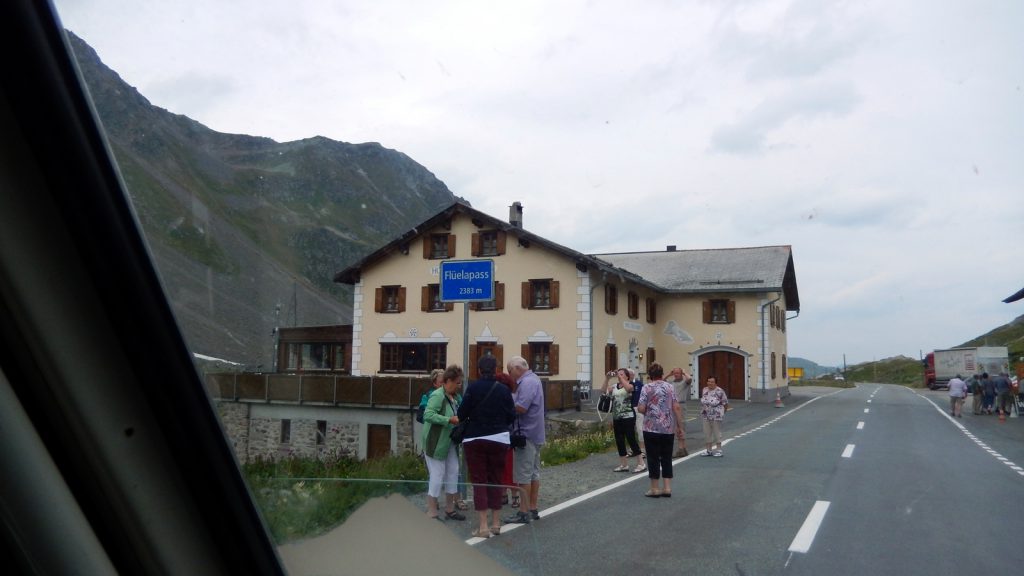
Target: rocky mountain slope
x=247 y=232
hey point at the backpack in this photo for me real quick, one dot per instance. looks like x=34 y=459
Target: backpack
x=422 y=409
x=638 y=384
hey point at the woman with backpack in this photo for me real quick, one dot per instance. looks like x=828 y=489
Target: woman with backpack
x=624 y=419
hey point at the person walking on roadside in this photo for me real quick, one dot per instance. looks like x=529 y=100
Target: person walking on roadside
x=681 y=381
x=488 y=412
x=1001 y=387
x=441 y=457
x=663 y=419
x=713 y=404
x=623 y=419
x=988 y=388
x=529 y=405
x=974 y=386
x=957 y=393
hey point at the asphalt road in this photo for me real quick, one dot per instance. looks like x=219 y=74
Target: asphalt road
x=872 y=480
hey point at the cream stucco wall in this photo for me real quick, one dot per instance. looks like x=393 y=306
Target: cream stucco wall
x=511 y=327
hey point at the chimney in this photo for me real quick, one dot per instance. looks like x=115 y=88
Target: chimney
x=670 y=248
x=515 y=214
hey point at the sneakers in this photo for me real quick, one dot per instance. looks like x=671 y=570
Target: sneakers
x=717 y=454
x=620 y=469
x=518 y=518
x=706 y=453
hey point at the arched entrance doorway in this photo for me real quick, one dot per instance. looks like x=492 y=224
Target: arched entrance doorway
x=728 y=366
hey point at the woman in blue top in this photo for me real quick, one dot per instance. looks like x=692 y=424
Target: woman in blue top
x=441 y=457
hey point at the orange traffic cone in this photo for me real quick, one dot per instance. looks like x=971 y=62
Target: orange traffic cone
x=778 y=401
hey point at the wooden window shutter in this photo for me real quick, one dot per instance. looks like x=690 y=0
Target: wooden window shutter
x=524 y=351
x=707 y=312
x=425 y=298
x=783 y=320
x=471 y=369
x=651 y=358
x=501 y=242
x=652 y=311
x=526 y=297
x=426 y=246
x=474 y=249
x=609 y=358
x=378 y=300
x=553 y=359
x=401 y=299
x=499 y=295
x=451 y=245
x=554 y=293
x=474 y=306
x=449 y=306
x=731 y=312
x=773 y=365
x=772 y=315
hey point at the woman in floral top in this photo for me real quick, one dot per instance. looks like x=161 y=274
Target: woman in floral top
x=624 y=419
x=713 y=404
x=662 y=419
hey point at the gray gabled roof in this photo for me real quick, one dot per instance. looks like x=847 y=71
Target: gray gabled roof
x=760 y=269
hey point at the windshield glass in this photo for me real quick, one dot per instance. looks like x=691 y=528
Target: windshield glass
x=710 y=204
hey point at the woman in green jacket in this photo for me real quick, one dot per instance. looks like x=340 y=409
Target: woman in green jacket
x=442 y=458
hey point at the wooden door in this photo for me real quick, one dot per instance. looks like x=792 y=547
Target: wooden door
x=478 y=351
x=728 y=368
x=378 y=440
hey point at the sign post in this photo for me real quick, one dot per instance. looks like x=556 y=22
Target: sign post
x=467 y=281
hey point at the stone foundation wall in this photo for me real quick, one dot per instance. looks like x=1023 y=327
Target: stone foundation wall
x=234 y=418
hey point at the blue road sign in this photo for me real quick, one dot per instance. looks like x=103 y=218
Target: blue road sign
x=467 y=280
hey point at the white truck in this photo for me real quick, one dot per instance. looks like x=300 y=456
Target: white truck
x=941 y=366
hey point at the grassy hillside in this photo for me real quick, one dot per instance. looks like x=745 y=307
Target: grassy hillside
x=1010 y=335
x=897 y=370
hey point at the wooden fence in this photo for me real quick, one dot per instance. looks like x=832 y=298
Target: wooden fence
x=343 y=390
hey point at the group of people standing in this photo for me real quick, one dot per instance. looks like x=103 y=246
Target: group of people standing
x=491 y=408
x=658 y=411
x=987 y=394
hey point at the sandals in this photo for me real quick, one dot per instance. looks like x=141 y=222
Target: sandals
x=485 y=534
x=461 y=504
x=495 y=530
x=515 y=501
x=640 y=468
x=652 y=494
x=454 y=515
x=620 y=469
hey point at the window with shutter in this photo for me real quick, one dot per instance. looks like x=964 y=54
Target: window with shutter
x=633 y=300
x=439 y=246
x=543 y=357
x=431 y=300
x=611 y=299
x=389 y=299
x=651 y=358
x=773 y=365
x=498 y=303
x=652 y=311
x=413 y=357
x=611 y=358
x=719 y=311
x=539 y=294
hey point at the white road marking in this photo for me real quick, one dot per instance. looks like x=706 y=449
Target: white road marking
x=866 y=410
x=971 y=436
x=849 y=451
x=860 y=425
x=805 y=537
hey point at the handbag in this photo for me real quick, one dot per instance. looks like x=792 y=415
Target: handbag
x=604 y=404
x=458 y=433
x=517 y=438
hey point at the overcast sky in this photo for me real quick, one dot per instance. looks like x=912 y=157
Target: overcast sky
x=882 y=140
